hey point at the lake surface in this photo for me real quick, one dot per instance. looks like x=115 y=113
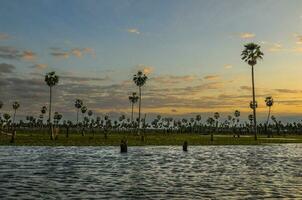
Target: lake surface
x=204 y=172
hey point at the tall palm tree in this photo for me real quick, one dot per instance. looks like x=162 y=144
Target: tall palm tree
x=51 y=80
x=78 y=104
x=133 y=99
x=83 y=110
x=269 y=101
x=16 y=105
x=139 y=79
x=251 y=54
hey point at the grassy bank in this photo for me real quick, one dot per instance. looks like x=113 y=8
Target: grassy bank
x=113 y=139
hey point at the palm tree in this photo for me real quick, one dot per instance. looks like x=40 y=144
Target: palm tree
x=78 y=104
x=139 y=79
x=236 y=119
x=133 y=99
x=83 y=110
x=211 y=121
x=43 y=111
x=269 y=101
x=216 y=117
x=16 y=105
x=251 y=54
x=51 y=80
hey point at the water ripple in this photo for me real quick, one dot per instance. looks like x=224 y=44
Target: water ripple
x=204 y=172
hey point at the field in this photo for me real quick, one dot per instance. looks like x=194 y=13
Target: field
x=156 y=139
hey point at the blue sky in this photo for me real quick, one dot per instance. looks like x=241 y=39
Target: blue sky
x=197 y=43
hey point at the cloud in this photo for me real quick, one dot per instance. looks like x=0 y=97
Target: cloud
x=299 y=38
x=6 y=68
x=275 y=47
x=82 y=79
x=40 y=66
x=248 y=88
x=12 y=53
x=228 y=66
x=288 y=91
x=247 y=35
x=63 y=55
x=145 y=68
x=133 y=30
x=211 y=77
x=77 y=52
x=28 y=55
x=4 y=36
x=170 y=79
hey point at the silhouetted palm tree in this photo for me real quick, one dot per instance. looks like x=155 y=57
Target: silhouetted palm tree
x=78 y=104
x=43 y=112
x=139 y=79
x=133 y=99
x=16 y=105
x=51 y=80
x=251 y=54
x=211 y=121
x=269 y=101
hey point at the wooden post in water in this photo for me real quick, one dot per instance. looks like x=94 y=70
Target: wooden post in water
x=124 y=146
x=185 y=146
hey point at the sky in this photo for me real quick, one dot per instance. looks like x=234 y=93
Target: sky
x=190 y=51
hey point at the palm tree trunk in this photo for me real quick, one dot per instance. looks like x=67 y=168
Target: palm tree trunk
x=132 y=112
x=254 y=101
x=268 y=116
x=14 y=117
x=266 y=124
x=78 y=117
x=49 y=116
x=139 y=109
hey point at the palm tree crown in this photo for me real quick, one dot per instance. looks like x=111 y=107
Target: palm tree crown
x=43 y=109
x=16 y=105
x=84 y=109
x=251 y=53
x=140 y=78
x=237 y=113
x=51 y=79
x=269 y=101
x=133 y=98
x=78 y=103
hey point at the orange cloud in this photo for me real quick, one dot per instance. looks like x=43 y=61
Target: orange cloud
x=247 y=35
x=40 y=66
x=145 y=69
x=28 y=55
x=228 y=66
x=211 y=77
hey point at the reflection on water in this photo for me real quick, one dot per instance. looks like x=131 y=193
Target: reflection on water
x=219 y=172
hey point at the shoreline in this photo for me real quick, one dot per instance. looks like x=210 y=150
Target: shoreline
x=150 y=139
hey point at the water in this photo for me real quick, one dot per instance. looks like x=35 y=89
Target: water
x=204 y=172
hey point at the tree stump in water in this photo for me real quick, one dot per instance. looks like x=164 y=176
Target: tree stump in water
x=124 y=146
x=185 y=146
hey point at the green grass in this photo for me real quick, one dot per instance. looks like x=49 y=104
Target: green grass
x=157 y=139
